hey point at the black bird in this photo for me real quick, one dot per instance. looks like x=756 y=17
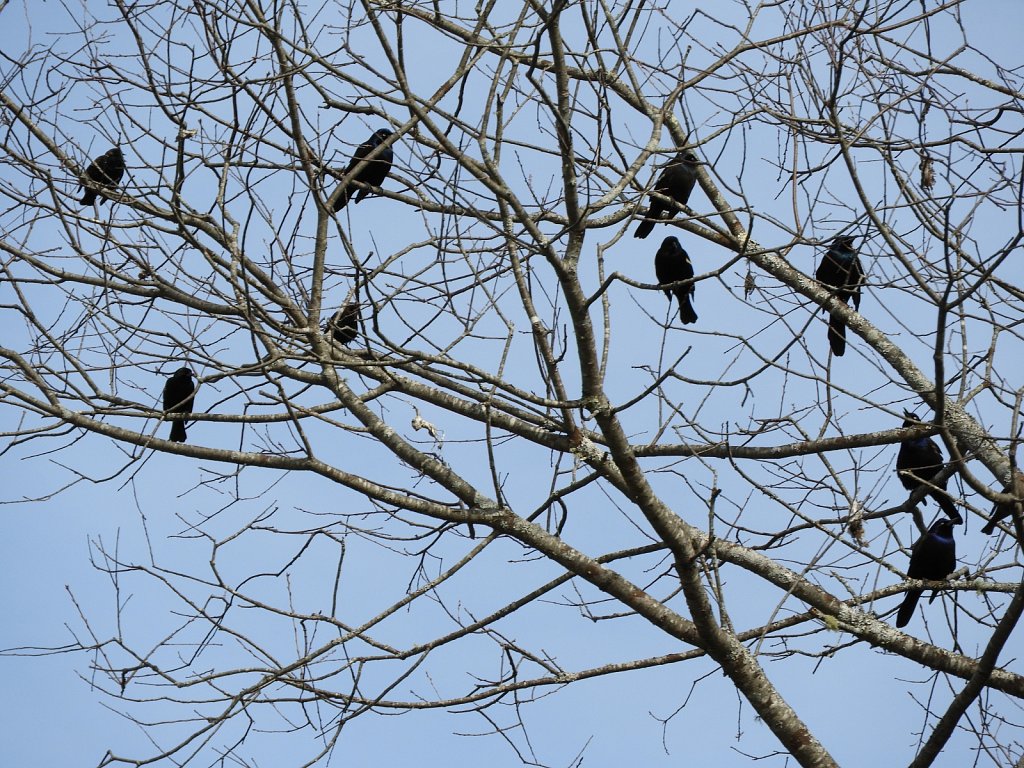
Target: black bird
x=103 y=172
x=344 y=324
x=841 y=272
x=671 y=263
x=933 y=558
x=372 y=174
x=179 y=396
x=999 y=511
x=676 y=181
x=917 y=464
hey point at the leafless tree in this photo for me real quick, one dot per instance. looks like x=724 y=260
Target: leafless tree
x=520 y=426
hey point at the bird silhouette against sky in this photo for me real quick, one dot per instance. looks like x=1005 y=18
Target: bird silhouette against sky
x=671 y=263
x=371 y=175
x=933 y=558
x=104 y=172
x=917 y=464
x=179 y=397
x=841 y=272
x=676 y=181
x=344 y=325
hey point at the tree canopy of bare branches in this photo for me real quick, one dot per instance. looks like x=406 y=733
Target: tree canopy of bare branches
x=506 y=477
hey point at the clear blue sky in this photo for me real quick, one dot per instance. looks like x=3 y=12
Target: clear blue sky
x=52 y=716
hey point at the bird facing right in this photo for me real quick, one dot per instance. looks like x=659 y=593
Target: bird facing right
x=933 y=558
x=103 y=172
x=841 y=272
x=344 y=325
x=917 y=464
x=676 y=181
x=372 y=174
x=179 y=397
x=671 y=264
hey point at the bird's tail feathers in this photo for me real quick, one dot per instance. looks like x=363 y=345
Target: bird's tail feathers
x=342 y=200
x=645 y=228
x=837 y=335
x=906 y=612
x=999 y=511
x=686 y=312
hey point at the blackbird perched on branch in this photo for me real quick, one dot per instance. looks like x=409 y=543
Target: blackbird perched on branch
x=372 y=173
x=179 y=397
x=104 y=172
x=344 y=325
x=671 y=264
x=676 y=181
x=917 y=464
x=841 y=272
x=933 y=558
